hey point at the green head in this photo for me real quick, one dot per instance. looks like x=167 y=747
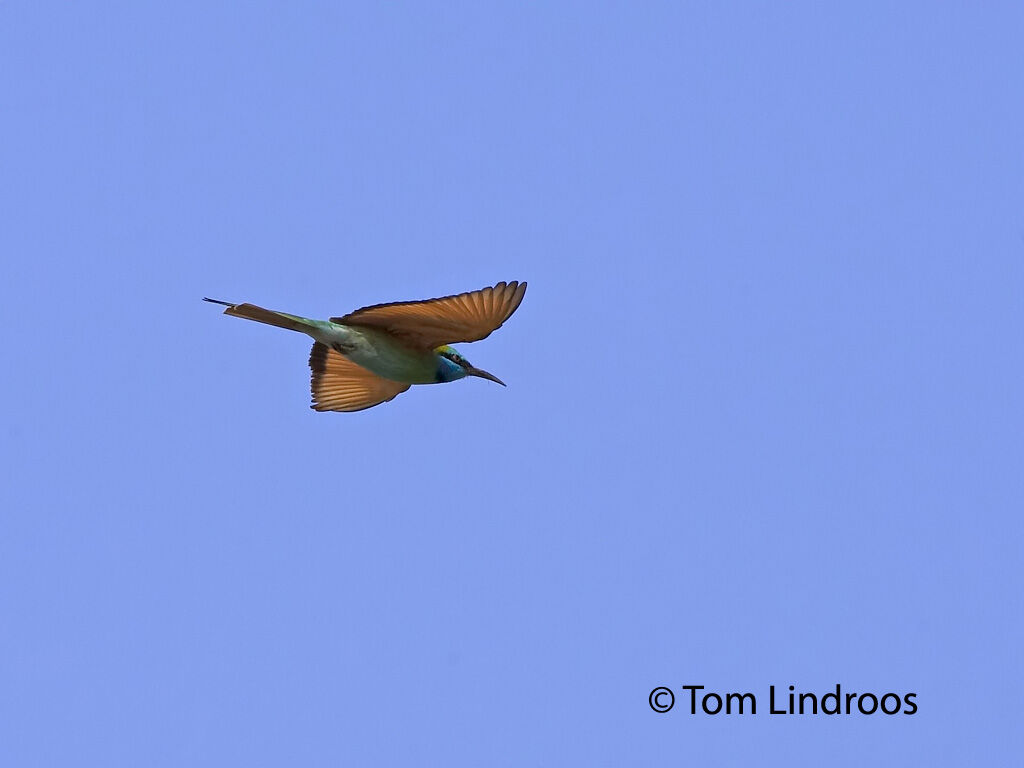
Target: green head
x=452 y=366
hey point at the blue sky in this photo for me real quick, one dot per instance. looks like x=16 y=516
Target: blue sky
x=763 y=423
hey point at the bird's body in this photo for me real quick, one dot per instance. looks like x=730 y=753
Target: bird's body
x=378 y=352
x=373 y=354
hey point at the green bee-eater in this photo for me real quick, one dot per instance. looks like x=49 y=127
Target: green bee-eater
x=373 y=354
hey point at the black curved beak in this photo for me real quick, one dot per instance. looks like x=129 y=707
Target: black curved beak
x=471 y=371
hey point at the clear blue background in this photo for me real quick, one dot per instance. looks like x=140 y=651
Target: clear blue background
x=763 y=423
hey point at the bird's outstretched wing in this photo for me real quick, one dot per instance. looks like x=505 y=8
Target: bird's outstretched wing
x=432 y=323
x=338 y=384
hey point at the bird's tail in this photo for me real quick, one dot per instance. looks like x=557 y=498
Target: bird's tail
x=268 y=316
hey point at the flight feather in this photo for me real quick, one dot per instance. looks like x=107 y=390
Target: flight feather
x=338 y=384
x=432 y=323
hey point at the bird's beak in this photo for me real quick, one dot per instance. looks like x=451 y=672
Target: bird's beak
x=471 y=371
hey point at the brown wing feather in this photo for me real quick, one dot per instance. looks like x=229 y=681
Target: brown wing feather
x=338 y=384
x=432 y=323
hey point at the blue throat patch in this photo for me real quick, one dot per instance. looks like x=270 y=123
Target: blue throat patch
x=449 y=371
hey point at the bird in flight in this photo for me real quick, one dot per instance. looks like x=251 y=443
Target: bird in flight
x=370 y=356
